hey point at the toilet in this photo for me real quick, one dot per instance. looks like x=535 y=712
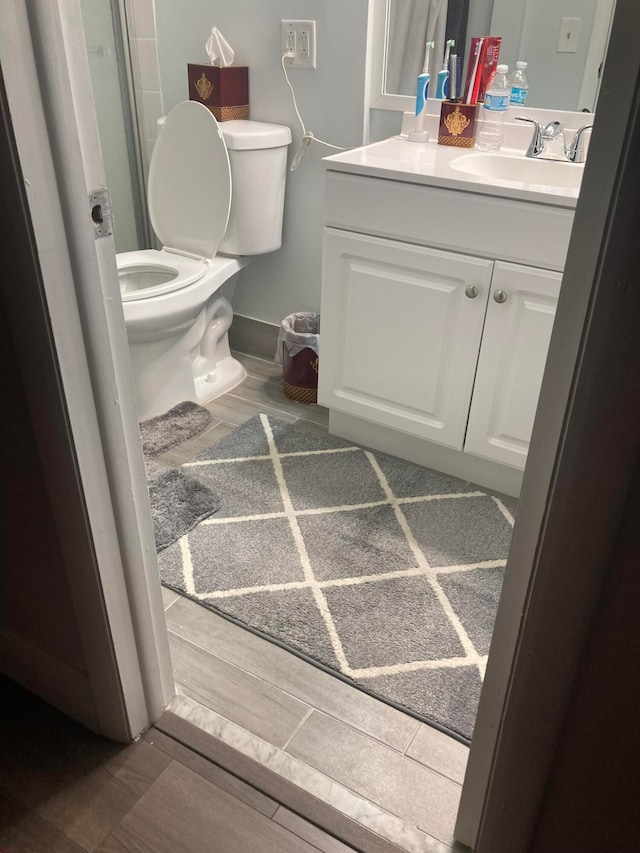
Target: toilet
x=216 y=197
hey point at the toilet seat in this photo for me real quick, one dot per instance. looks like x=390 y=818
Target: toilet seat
x=179 y=304
x=150 y=273
x=189 y=191
x=189 y=198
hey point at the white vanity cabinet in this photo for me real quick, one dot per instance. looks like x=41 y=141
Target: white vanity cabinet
x=513 y=353
x=405 y=324
x=437 y=311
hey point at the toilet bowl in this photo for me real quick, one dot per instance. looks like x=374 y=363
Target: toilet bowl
x=216 y=197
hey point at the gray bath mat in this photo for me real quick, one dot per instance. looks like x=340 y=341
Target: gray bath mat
x=178 y=502
x=163 y=432
x=379 y=570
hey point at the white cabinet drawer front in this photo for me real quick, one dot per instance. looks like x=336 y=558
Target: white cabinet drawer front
x=400 y=338
x=480 y=225
x=512 y=360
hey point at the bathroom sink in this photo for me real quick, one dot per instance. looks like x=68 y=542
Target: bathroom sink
x=520 y=169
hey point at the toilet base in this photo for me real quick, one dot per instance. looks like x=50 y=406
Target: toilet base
x=227 y=374
x=183 y=355
x=168 y=376
x=167 y=373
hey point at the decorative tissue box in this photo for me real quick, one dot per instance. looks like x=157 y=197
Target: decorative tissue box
x=225 y=91
x=458 y=124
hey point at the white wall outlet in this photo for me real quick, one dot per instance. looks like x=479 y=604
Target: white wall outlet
x=290 y=43
x=298 y=38
x=568 y=36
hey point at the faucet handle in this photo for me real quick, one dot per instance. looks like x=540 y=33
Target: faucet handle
x=553 y=138
x=575 y=152
x=553 y=130
x=536 y=146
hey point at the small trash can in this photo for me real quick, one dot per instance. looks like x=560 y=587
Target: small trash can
x=298 y=347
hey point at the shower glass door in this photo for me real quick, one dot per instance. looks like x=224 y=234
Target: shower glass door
x=110 y=76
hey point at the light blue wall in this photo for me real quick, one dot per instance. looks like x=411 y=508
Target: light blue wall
x=331 y=100
x=555 y=79
x=383 y=124
x=479 y=21
x=530 y=30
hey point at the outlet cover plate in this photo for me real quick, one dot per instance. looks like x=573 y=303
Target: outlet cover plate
x=304 y=41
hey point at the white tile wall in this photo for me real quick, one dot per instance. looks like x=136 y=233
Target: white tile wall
x=148 y=69
x=151 y=110
x=147 y=148
x=143 y=19
x=146 y=72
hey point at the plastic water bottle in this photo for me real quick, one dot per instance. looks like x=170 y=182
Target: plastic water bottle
x=519 y=84
x=496 y=104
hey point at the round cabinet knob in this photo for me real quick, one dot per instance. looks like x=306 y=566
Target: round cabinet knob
x=471 y=291
x=500 y=296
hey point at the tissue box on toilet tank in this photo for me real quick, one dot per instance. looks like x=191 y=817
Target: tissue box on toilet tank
x=225 y=91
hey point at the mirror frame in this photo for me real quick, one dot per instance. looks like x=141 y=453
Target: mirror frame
x=378 y=99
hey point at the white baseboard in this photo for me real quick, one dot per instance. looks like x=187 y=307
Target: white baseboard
x=491 y=475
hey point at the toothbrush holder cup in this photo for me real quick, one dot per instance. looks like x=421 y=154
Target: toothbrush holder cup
x=458 y=124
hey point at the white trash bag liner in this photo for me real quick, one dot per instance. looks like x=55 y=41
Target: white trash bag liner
x=298 y=331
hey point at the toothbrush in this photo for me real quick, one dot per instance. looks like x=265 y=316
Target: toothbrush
x=473 y=80
x=443 y=75
x=458 y=76
x=455 y=71
x=423 y=90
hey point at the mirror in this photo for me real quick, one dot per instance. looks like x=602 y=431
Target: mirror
x=532 y=30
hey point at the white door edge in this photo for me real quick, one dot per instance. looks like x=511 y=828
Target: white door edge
x=532 y=561
x=59 y=147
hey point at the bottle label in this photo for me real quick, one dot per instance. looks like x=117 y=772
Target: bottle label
x=496 y=103
x=518 y=95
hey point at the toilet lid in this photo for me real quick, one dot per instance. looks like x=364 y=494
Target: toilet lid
x=189 y=190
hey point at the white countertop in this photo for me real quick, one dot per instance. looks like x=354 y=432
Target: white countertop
x=431 y=164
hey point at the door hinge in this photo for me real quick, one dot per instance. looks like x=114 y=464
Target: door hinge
x=100 y=209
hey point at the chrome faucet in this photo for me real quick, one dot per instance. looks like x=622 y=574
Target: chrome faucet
x=548 y=143
x=575 y=152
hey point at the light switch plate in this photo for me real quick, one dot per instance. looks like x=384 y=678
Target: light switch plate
x=568 y=36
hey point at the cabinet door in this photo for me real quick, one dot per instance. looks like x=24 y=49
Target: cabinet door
x=399 y=336
x=512 y=359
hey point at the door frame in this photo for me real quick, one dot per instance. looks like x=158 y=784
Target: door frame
x=581 y=460
x=95 y=455
x=87 y=333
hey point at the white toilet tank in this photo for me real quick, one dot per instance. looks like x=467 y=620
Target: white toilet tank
x=258 y=159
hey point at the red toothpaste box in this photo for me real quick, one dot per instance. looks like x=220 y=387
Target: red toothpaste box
x=484 y=52
x=489 y=63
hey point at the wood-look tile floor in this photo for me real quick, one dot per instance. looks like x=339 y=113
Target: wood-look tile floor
x=406 y=767
x=64 y=789
x=261 y=391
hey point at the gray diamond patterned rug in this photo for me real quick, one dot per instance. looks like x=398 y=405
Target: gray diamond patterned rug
x=383 y=572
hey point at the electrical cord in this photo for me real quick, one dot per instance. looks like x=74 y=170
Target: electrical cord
x=307 y=135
